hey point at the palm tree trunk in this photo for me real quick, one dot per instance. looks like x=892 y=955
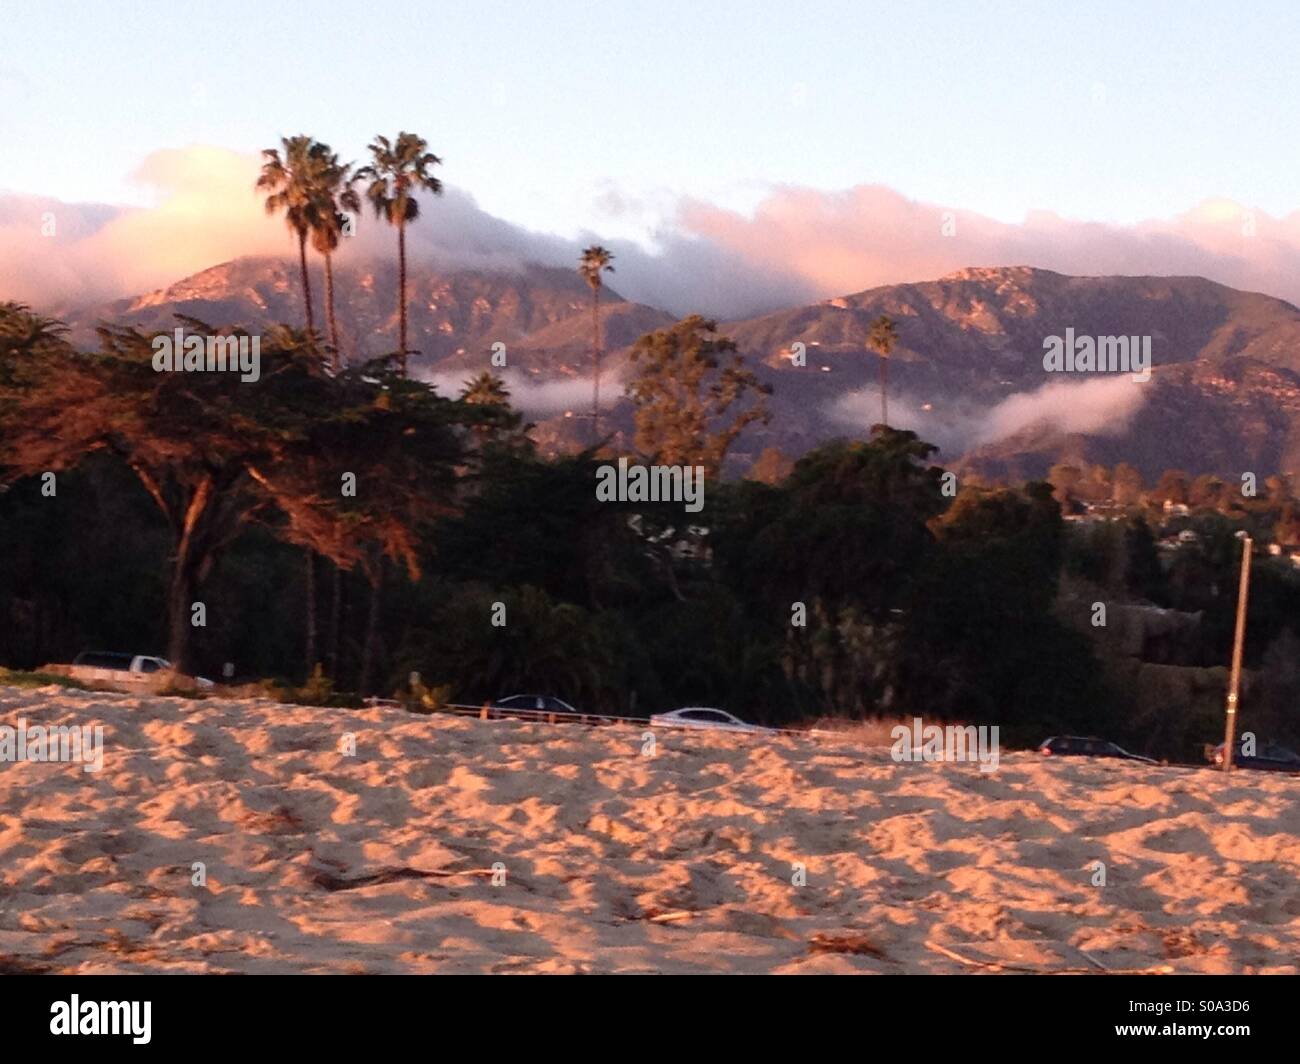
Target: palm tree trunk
x=401 y=292
x=884 y=389
x=595 y=395
x=336 y=357
x=311 y=612
x=306 y=279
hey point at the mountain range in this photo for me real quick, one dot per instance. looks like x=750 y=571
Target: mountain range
x=967 y=372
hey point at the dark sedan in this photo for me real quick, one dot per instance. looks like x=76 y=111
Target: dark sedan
x=1267 y=756
x=1078 y=746
x=542 y=703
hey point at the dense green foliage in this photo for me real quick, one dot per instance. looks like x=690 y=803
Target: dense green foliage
x=852 y=587
x=857 y=583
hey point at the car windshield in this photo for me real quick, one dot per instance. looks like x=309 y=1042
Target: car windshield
x=103 y=660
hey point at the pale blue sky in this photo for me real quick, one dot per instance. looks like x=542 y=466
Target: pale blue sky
x=1102 y=111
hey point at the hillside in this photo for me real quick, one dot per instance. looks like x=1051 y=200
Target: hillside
x=967 y=372
x=454 y=318
x=1225 y=394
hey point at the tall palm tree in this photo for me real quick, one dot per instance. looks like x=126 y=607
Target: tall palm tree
x=291 y=186
x=487 y=389
x=595 y=261
x=333 y=194
x=397 y=171
x=882 y=340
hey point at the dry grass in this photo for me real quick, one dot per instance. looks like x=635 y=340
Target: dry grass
x=871 y=732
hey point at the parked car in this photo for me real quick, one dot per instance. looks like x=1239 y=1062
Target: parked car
x=1272 y=757
x=1081 y=746
x=703 y=717
x=544 y=703
x=127 y=671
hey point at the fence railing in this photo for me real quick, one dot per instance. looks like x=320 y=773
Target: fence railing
x=488 y=711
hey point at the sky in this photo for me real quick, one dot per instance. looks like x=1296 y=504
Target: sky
x=813 y=148
x=1108 y=112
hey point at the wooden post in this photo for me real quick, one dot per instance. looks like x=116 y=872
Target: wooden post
x=1239 y=637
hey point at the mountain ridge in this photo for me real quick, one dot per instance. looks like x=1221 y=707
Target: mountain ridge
x=968 y=359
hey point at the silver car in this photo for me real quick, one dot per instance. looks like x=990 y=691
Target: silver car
x=704 y=717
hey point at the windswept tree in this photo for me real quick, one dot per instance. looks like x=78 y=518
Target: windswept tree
x=22 y=330
x=881 y=340
x=595 y=261
x=334 y=195
x=693 y=394
x=217 y=454
x=406 y=448
x=291 y=182
x=398 y=171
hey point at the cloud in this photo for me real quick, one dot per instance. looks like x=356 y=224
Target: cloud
x=797 y=246
x=1102 y=406
x=207 y=213
x=950 y=430
x=538 y=398
x=835 y=243
x=1097 y=407
x=66 y=254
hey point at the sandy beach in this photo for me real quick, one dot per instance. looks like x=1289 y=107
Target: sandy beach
x=457 y=845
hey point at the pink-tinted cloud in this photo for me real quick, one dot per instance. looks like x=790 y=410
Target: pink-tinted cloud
x=798 y=246
x=841 y=242
x=206 y=213
x=59 y=254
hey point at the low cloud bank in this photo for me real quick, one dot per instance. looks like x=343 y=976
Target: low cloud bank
x=1098 y=407
x=799 y=245
x=539 y=398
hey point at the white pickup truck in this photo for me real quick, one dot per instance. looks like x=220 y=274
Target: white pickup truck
x=128 y=672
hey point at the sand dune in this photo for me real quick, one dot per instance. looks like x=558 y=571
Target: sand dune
x=612 y=860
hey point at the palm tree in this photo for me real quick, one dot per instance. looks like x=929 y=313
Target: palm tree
x=487 y=389
x=333 y=194
x=882 y=340
x=290 y=182
x=595 y=261
x=294 y=184
x=397 y=172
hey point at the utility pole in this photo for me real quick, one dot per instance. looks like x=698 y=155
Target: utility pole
x=1239 y=637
